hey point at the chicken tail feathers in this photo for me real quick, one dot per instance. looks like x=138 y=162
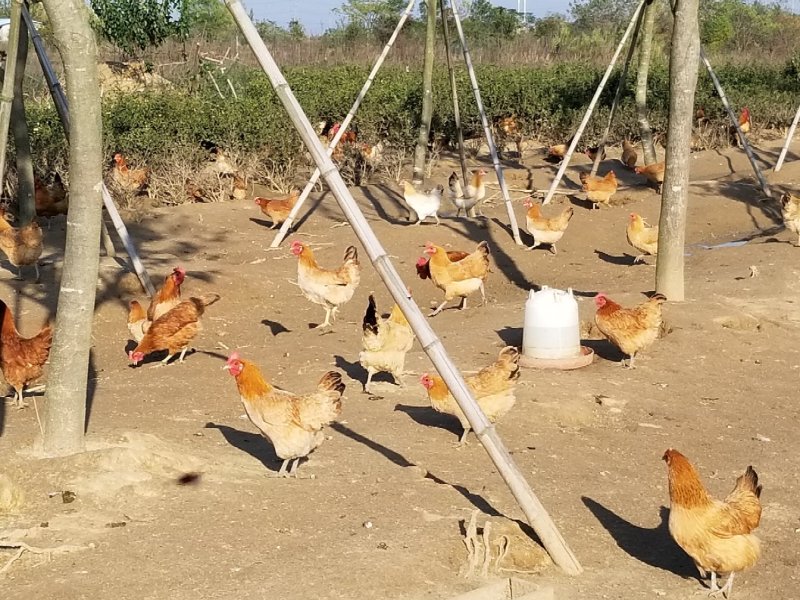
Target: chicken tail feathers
x=351 y=253
x=509 y=356
x=749 y=482
x=658 y=298
x=208 y=299
x=332 y=382
x=483 y=247
x=370 y=322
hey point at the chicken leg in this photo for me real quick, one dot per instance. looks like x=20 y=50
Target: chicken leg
x=282 y=472
x=725 y=590
x=327 y=322
x=183 y=354
x=370 y=373
x=18 y=399
x=462 y=441
x=438 y=309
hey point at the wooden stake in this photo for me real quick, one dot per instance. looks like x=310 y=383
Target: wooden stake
x=788 y=141
x=60 y=101
x=618 y=94
x=287 y=224
x=533 y=509
x=577 y=137
x=456 y=112
x=512 y=218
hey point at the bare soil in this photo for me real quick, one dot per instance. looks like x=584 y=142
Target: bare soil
x=379 y=509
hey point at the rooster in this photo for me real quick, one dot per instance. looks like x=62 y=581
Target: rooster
x=492 y=387
x=546 y=230
x=468 y=199
x=717 y=535
x=331 y=289
x=130 y=180
x=22 y=359
x=458 y=279
x=642 y=237
x=425 y=204
x=293 y=424
x=173 y=330
x=385 y=342
x=629 y=329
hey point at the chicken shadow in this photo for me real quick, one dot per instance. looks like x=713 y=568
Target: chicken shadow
x=605 y=350
x=275 y=328
x=427 y=417
x=401 y=461
x=624 y=259
x=404 y=215
x=251 y=443
x=654 y=547
x=511 y=336
x=354 y=370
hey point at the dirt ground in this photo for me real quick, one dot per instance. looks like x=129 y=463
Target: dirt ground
x=380 y=507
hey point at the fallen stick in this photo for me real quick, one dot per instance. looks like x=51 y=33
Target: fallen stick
x=22 y=547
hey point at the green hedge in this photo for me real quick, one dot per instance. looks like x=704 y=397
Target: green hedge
x=548 y=101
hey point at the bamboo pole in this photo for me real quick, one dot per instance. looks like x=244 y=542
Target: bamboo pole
x=456 y=112
x=577 y=137
x=618 y=94
x=7 y=96
x=287 y=224
x=60 y=101
x=26 y=204
x=745 y=144
x=534 y=511
x=423 y=135
x=788 y=141
x=512 y=218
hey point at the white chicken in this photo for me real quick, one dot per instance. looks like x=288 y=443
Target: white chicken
x=424 y=204
x=475 y=192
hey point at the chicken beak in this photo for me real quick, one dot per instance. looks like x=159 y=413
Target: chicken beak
x=226 y=367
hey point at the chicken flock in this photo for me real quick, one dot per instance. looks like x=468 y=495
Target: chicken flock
x=717 y=535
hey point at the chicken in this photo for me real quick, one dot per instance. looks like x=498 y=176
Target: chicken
x=556 y=153
x=492 y=387
x=458 y=279
x=293 y=424
x=642 y=237
x=468 y=199
x=425 y=204
x=599 y=190
x=348 y=137
x=173 y=330
x=791 y=214
x=138 y=323
x=372 y=154
x=546 y=230
x=507 y=128
x=592 y=151
x=239 y=186
x=654 y=173
x=22 y=245
x=744 y=121
x=629 y=329
x=423 y=264
x=168 y=296
x=717 y=535
x=278 y=209
x=331 y=289
x=386 y=342
x=51 y=199
x=629 y=156
x=130 y=180
x=22 y=360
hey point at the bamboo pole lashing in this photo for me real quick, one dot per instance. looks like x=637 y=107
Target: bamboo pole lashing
x=512 y=218
x=534 y=511
x=287 y=224
x=577 y=137
x=60 y=101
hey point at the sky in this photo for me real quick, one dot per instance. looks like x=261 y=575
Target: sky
x=317 y=15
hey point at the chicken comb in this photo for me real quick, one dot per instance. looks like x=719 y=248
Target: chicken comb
x=180 y=270
x=234 y=356
x=422 y=261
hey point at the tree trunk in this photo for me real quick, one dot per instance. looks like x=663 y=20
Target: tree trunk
x=421 y=151
x=683 y=66
x=645 y=52
x=64 y=418
x=8 y=86
x=22 y=143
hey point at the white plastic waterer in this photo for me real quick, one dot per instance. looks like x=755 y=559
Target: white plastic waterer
x=551 y=335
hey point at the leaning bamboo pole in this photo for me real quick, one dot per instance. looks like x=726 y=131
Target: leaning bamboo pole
x=60 y=101
x=462 y=157
x=26 y=185
x=577 y=137
x=742 y=138
x=287 y=224
x=8 y=84
x=618 y=94
x=788 y=141
x=498 y=169
x=534 y=511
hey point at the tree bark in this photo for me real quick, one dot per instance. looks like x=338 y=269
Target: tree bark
x=645 y=52
x=22 y=144
x=421 y=151
x=64 y=418
x=683 y=66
